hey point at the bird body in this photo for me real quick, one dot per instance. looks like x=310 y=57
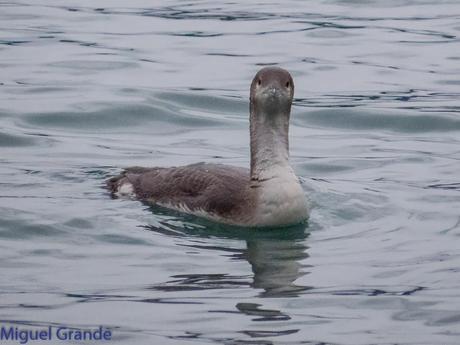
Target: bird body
x=266 y=195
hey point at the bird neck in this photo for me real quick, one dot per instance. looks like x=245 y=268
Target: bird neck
x=269 y=145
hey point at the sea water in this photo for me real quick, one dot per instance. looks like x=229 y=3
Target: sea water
x=88 y=88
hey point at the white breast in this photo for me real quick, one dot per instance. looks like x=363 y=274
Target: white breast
x=281 y=201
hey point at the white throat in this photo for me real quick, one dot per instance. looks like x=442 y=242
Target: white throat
x=280 y=198
x=269 y=145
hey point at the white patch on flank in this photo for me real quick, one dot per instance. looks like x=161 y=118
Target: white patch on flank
x=125 y=190
x=199 y=212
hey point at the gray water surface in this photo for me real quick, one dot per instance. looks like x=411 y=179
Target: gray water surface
x=87 y=88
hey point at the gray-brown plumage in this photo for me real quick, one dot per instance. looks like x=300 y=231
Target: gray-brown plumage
x=217 y=189
x=268 y=194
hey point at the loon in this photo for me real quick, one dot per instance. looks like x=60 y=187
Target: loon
x=268 y=194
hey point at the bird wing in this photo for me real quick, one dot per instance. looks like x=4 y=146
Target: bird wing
x=213 y=188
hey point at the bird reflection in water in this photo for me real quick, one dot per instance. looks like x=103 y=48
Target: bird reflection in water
x=276 y=257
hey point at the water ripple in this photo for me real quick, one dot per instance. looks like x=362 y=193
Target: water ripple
x=87 y=90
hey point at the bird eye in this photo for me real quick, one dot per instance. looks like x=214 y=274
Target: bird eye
x=288 y=84
x=259 y=82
